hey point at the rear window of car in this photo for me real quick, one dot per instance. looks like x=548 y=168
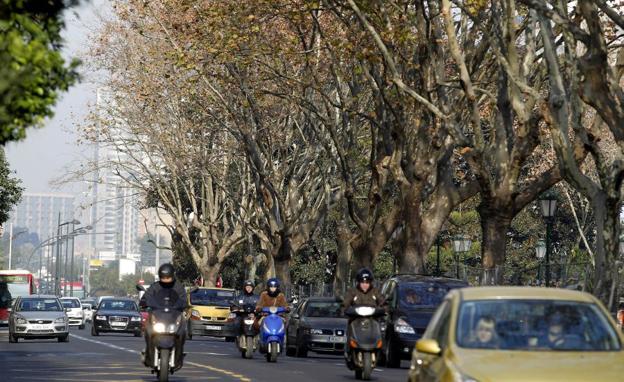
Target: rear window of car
x=535 y=325
x=117 y=305
x=212 y=297
x=418 y=295
x=70 y=303
x=323 y=309
x=39 y=305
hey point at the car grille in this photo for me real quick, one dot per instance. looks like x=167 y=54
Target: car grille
x=39 y=321
x=42 y=331
x=208 y=318
x=117 y=319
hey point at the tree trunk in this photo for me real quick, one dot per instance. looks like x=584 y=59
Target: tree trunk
x=495 y=223
x=362 y=256
x=210 y=274
x=342 y=277
x=606 y=212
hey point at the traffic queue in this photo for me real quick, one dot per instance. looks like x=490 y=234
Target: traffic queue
x=447 y=330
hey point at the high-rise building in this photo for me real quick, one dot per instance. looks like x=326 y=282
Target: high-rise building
x=114 y=208
x=39 y=212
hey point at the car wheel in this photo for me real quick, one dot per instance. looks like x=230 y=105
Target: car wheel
x=230 y=339
x=301 y=347
x=137 y=333
x=189 y=332
x=81 y=327
x=94 y=331
x=64 y=338
x=13 y=338
x=392 y=358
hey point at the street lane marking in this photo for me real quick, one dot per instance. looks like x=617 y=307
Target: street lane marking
x=229 y=373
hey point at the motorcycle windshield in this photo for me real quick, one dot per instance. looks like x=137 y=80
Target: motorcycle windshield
x=166 y=318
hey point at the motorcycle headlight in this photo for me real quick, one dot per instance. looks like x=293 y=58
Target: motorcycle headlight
x=159 y=327
x=20 y=320
x=60 y=320
x=401 y=326
x=365 y=311
x=135 y=318
x=316 y=331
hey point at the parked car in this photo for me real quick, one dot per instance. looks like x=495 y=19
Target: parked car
x=316 y=325
x=118 y=315
x=209 y=312
x=412 y=300
x=519 y=333
x=88 y=312
x=74 y=311
x=38 y=316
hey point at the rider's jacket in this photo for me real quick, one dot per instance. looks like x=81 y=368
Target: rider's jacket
x=157 y=293
x=247 y=299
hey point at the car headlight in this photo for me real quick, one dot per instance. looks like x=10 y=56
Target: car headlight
x=135 y=318
x=20 y=320
x=100 y=318
x=195 y=315
x=316 y=331
x=401 y=326
x=159 y=327
x=60 y=320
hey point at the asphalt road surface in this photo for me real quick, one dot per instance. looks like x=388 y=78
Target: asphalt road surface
x=116 y=357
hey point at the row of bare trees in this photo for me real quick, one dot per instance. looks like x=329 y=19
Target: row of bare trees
x=261 y=118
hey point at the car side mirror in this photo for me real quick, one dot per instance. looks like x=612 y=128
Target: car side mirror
x=66 y=310
x=428 y=346
x=295 y=316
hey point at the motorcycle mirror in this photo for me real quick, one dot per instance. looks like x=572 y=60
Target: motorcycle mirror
x=140 y=288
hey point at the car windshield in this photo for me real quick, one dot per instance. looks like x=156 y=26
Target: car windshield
x=419 y=295
x=323 y=309
x=212 y=297
x=118 y=305
x=70 y=303
x=39 y=305
x=534 y=325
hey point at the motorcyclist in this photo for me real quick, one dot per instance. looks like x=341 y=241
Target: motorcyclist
x=272 y=296
x=5 y=296
x=166 y=286
x=364 y=293
x=248 y=297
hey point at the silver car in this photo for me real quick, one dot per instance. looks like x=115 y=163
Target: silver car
x=38 y=316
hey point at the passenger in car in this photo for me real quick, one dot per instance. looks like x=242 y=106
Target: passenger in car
x=484 y=335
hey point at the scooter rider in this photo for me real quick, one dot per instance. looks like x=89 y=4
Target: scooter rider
x=364 y=293
x=272 y=296
x=248 y=298
x=166 y=286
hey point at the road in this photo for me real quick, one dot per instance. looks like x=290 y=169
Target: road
x=116 y=357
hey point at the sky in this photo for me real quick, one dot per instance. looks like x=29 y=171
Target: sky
x=46 y=153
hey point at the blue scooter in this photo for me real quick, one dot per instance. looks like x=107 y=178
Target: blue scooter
x=272 y=333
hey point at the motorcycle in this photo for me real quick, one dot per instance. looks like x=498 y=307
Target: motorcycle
x=245 y=340
x=166 y=336
x=364 y=339
x=272 y=333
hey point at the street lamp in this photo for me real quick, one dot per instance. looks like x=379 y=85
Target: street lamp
x=75 y=232
x=461 y=244
x=540 y=252
x=548 y=207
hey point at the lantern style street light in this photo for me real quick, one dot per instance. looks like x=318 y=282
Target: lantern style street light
x=540 y=252
x=461 y=245
x=548 y=206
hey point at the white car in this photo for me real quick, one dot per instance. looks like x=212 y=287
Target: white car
x=88 y=312
x=74 y=311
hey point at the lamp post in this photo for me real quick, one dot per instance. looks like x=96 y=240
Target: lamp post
x=548 y=208
x=76 y=232
x=438 y=243
x=461 y=245
x=540 y=252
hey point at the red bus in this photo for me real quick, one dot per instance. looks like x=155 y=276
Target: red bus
x=19 y=283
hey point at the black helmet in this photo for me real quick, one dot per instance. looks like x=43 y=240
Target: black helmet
x=249 y=283
x=364 y=274
x=166 y=270
x=273 y=282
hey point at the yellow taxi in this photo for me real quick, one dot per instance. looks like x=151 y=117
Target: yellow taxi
x=209 y=310
x=509 y=334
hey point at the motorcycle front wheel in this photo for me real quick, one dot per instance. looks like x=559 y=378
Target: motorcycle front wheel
x=272 y=353
x=367 y=366
x=249 y=347
x=163 y=372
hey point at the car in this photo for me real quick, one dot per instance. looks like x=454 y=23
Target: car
x=316 y=325
x=411 y=300
x=88 y=312
x=99 y=299
x=117 y=315
x=519 y=334
x=209 y=312
x=74 y=311
x=38 y=316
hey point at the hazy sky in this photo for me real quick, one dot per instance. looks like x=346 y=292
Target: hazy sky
x=47 y=152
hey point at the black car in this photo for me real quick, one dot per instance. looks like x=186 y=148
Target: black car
x=118 y=315
x=412 y=300
x=316 y=325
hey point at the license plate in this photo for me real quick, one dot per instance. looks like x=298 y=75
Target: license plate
x=118 y=324
x=337 y=339
x=39 y=327
x=212 y=327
